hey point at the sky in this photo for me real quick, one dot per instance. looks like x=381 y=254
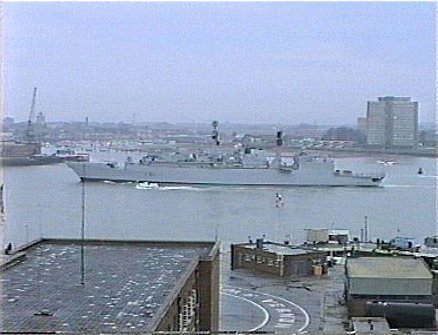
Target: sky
x=242 y=62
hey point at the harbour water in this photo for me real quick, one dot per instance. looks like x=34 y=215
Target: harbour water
x=46 y=201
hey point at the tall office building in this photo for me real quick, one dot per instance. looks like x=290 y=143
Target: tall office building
x=392 y=122
x=362 y=125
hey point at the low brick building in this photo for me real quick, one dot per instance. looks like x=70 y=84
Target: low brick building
x=129 y=287
x=278 y=259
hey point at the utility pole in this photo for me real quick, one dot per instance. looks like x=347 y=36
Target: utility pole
x=83 y=230
x=216 y=233
x=366 y=228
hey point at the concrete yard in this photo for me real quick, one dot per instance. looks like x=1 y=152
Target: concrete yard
x=255 y=301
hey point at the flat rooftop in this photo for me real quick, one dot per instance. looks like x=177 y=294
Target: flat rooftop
x=388 y=267
x=280 y=249
x=126 y=283
x=371 y=325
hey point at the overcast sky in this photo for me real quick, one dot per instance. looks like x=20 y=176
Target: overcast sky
x=286 y=62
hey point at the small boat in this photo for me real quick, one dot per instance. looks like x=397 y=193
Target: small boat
x=147 y=185
x=386 y=163
x=420 y=171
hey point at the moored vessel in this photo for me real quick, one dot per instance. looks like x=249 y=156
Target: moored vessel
x=24 y=154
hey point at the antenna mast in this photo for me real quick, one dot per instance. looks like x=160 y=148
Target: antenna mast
x=279 y=143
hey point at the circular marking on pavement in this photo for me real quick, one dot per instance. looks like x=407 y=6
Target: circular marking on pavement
x=285 y=320
x=264 y=310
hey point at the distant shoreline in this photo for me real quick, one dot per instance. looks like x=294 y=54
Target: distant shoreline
x=360 y=152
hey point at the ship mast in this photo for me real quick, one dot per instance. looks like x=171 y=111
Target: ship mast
x=279 y=143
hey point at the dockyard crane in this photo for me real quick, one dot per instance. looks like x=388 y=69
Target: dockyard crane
x=30 y=135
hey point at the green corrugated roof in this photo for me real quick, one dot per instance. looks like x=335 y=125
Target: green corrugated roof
x=388 y=267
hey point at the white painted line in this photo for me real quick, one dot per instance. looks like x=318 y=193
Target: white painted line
x=264 y=310
x=306 y=315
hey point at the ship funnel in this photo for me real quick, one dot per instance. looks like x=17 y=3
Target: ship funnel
x=215 y=132
x=280 y=138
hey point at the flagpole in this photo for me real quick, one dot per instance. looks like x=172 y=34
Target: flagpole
x=278 y=203
x=83 y=229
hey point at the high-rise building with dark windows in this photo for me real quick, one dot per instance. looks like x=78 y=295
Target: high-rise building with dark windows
x=392 y=122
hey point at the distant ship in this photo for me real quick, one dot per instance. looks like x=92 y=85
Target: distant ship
x=387 y=162
x=305 y=171
x=237 y=169
x=24 y=153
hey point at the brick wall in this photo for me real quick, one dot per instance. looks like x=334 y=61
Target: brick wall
x=199 y=293
x=269 y=262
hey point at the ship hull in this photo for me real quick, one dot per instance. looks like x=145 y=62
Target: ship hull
x=308 y=175
x=28 y=161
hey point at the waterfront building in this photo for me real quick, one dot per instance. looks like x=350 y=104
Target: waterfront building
x=396 y=288
x=362 y=125
x=338 y=236
x=431 y=241
x=392 y=122
x=279 y=259
x=126 y=287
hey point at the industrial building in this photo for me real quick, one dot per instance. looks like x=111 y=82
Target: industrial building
x=125 y=287
x=278 y=259
x=335 y=236
x=396 y=288
x=362 y=125
x=392 y=122
x=431 y=241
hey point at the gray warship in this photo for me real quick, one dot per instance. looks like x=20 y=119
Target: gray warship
x=237 y=169
x=308 y=172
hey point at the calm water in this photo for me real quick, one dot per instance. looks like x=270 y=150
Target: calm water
x=46 y=201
